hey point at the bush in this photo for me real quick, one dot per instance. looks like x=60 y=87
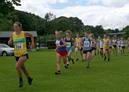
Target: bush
x=51 y=44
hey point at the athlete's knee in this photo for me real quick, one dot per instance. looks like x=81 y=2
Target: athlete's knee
x=89 y=56
x=23 y=68
x=18 y=67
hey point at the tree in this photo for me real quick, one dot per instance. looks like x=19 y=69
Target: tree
x=49 y=16
x=63 y=23
x=109 y=30
x=88 y=28
x=31 y=22
x=126 y=30
x=16 y=2
x=48 y=24
x=7 y=15
x=76 y=24
x=6 y=6
x=97 y=30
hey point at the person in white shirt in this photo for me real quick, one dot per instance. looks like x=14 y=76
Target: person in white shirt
x=122 y=44
x=118 y=45
x=100 y=46
x=114 y=43
x=110 y=44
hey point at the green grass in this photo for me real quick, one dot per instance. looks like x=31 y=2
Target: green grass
x=101 y=77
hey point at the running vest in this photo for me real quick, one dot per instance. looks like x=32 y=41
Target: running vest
x=86 y=44
x=114 y=42
x=106 y=43
x=78 y=42
x=101 y=44
x=110 y=43
x=19 y=41
x=118 y=43
x=122 y=43
x=61 y=49
x=69 y=42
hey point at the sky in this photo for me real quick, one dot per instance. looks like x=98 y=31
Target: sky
x=108 y=13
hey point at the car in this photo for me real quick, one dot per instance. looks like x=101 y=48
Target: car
x=6 y=50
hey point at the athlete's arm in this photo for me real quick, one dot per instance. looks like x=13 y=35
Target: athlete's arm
x=59 y=46
x=75 y=43
x=82 y=39
x=32 y=39
x=91 y=42
x=10 y=42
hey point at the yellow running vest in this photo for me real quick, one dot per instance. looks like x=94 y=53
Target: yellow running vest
x=78 y=42
x=106 y=43
x=19 y=41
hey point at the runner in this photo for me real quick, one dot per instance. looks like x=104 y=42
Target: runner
x=69 y=46
x=114 y=42
x=18 y=40
x=110 y=45
x=61 y=52
x=100 y=46
x=87 y=50
x=78 y=47
x=118 y=46
x=122 y=45
x=93 y=45
x=106 y=52
x=128 y=43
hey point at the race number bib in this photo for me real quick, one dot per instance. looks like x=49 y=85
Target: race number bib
x=68 y=44
x=86 y=44
x=19 y=45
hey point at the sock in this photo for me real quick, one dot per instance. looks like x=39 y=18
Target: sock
x=105 y=57
x=69 y=59
x=59 y=71
x=20 y=79
x=29 y=77
x=20 y=82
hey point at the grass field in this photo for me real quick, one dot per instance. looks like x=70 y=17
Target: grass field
x=101 y=77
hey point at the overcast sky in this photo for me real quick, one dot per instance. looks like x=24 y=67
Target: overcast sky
x=109 y=13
